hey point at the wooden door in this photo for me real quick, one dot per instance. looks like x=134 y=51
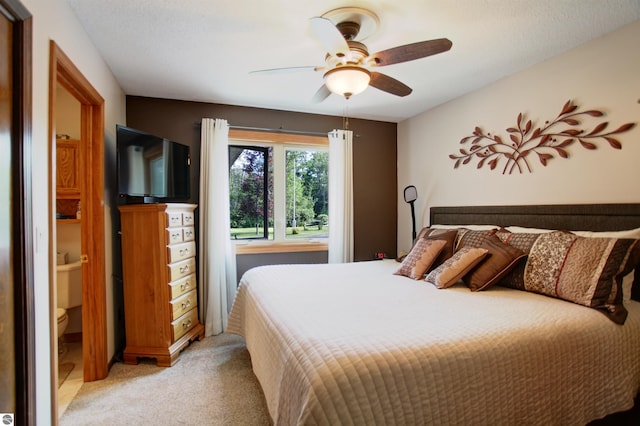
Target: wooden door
x=17 y=329
x=7 y=356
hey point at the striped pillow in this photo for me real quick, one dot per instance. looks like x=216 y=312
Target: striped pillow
x=586 y=271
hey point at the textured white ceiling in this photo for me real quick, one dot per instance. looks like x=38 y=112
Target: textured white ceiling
x=203 y=50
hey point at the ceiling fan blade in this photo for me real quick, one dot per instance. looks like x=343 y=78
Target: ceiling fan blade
x=388 y=84
x=410 y=52
x=322 y=94
x=330 y=36
x=286 y=70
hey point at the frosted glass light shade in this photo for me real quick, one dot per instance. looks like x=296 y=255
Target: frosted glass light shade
x=347 y=80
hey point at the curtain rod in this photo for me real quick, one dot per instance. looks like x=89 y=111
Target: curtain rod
x=264 y=129
x=294 y=132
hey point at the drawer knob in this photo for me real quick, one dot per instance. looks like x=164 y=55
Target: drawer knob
x=186 y=304
x=184 y=286
x=186 y=324
x=184 y=252
x=184 y=269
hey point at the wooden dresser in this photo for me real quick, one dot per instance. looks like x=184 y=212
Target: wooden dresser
x=159 y=280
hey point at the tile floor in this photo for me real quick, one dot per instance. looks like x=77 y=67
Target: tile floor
x=71 y=353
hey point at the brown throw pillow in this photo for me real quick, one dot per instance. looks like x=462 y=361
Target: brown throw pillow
x=472 y=238
x=523 y=241
x=499 y=261
x=421 y=257
x=449 y=236
x=454 y=268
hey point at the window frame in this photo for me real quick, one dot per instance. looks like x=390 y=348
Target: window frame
x=279 y=141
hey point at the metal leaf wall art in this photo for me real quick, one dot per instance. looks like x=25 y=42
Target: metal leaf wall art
x=525 y=142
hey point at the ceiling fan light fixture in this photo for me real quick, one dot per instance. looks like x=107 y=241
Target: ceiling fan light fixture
x=347 y=80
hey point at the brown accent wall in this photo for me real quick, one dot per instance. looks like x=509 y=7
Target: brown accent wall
x=374 y=155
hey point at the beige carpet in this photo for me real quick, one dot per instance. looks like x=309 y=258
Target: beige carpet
x=63 y=372
x=211 y=384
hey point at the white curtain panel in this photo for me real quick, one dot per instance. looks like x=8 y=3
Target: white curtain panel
x=340 y=196
x=217 y=279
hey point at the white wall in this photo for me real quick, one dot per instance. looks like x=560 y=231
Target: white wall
x=603 y=74
x=54 y=20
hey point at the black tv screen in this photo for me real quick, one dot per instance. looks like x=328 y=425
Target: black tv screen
x=151 y=168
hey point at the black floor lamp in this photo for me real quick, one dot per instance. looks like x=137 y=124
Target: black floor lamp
x=410 y=195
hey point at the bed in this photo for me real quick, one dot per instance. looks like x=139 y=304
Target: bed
x=358 y=344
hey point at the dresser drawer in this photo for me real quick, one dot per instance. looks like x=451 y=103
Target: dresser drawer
x=188 y=233
x=183 y=285
x=181 y=251
x=174 y=219
x=178 y=235
x=183 y=304
x=188 y=218
x=181 y=269
x=184 y=324
x=174 y=235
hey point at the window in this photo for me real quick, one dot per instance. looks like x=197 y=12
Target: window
x=307 y=198
x=250 y=192
x=278 y=190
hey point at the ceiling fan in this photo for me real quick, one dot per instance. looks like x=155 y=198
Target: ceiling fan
x=347 y=70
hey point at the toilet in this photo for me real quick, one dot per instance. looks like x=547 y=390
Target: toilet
x=69 y=278
x=63 y=320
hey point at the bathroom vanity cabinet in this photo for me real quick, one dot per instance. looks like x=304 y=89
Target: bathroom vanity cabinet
x=159 y=280
x=68 y=167
x=68 y=172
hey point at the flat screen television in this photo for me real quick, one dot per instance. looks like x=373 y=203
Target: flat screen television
x=151 y=169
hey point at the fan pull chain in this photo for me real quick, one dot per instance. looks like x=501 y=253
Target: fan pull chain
x=345 y=118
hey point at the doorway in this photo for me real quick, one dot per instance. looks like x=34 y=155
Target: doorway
x=91 y=195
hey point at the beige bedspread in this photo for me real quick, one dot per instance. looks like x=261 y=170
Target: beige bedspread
x=354 y=344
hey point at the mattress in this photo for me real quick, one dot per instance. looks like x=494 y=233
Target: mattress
x=355 y=344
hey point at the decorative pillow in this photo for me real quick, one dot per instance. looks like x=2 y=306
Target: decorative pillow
x=501 y=258
x=454 y=268
x=450 y=238
x=587 y=271
x=523 y=241
x=428 y=231
x=627 y=280
x=471 y=238
x=421 y=257
x=449 y=235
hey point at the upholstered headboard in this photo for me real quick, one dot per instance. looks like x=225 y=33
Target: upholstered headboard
x=571 y=217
